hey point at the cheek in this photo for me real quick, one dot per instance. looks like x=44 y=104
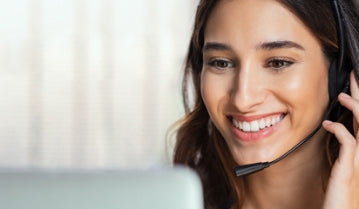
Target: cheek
x=307 y=90
x=302 y=86
x=311 y=85
x=214 y=93
x=208 y=92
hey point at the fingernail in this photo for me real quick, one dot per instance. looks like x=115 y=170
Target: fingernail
x=344 y=95
x=327 y=122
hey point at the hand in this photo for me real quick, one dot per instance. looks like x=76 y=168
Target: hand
x=343 y=186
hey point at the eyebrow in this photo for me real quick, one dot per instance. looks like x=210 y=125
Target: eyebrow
x=272 y=45
x=279 y=45
x=216 y=46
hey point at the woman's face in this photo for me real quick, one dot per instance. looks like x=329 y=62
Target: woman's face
x=264 y=78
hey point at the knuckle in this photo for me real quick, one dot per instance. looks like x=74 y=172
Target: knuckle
x=351 y=142
x=338 y=128
x=356 y=111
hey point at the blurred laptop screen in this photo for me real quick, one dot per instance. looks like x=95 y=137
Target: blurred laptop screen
x=175 y=188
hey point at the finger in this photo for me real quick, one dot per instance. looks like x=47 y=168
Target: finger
x=347 y=141
x=354 y=89
x=350 y=103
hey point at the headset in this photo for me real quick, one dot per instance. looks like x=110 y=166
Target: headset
x=339 y=72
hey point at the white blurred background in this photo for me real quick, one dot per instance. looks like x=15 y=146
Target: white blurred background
x=90 y=83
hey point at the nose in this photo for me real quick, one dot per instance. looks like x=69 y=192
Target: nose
x=248 y=88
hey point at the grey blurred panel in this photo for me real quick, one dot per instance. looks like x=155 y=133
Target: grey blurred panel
x=164 y=188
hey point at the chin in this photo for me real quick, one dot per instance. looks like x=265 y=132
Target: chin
x=254 y=155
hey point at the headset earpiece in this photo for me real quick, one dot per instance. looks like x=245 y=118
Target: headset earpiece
x=340 y=67
x=338 y=82
x=338 y=78
x=332 y=83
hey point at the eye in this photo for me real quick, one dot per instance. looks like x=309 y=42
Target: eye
x=279 y=63
x=221 y=64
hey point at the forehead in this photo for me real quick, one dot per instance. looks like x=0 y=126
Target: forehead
x=250 y=22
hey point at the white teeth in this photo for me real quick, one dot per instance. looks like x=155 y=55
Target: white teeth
x=257 y=125
x=235 y=123
x=254 y=126
x=273 y=121
x=277 y=119
x=262 y=124
x=268 y=122
x=246 y=126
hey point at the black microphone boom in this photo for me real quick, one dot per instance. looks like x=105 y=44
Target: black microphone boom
x=243 y=170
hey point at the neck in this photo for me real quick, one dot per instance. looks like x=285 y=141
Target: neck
x=294 y=182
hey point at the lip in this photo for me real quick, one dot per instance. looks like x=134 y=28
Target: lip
x=257 y=135
x=254 y=117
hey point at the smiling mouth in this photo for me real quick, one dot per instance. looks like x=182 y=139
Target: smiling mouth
x=257 y=125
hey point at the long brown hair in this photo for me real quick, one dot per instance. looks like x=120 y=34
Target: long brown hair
x=199 y=143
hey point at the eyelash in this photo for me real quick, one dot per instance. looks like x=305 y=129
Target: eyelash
x=215 y=63
x=284 y=62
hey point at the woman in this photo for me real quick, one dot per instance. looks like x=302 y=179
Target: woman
x=260 y=71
